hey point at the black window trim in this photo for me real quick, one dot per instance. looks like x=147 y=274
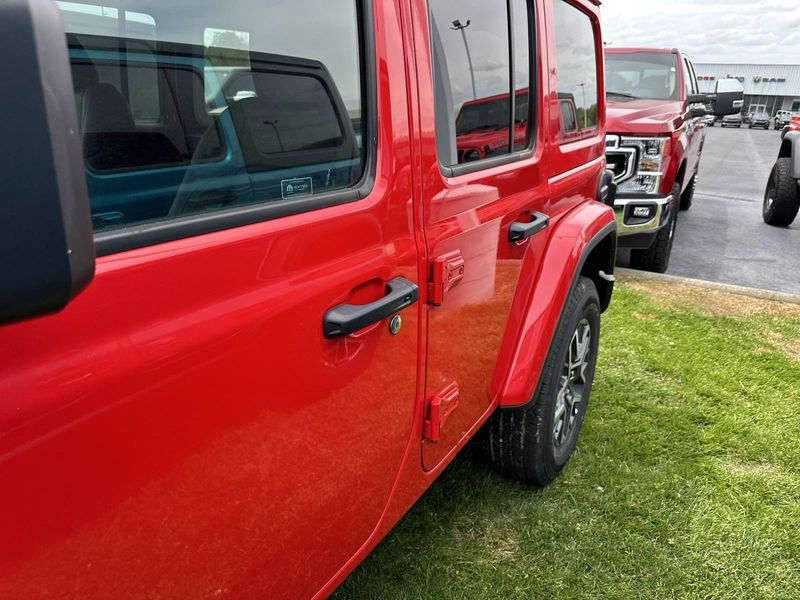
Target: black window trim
x=141 y=235
x=533 y=99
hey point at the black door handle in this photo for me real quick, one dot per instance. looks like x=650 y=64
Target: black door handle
x=522 y=231
x=348 y=318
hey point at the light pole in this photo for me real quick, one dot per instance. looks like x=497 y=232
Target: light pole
x=458 y=26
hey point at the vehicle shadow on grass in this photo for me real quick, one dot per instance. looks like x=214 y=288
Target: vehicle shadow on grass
x=680 y=485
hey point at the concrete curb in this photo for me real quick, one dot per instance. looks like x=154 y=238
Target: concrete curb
x=632 y=275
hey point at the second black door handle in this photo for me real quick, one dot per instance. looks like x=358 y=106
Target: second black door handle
x=348 y=318
x=522 y=231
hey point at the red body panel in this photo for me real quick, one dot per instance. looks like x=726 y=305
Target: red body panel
x=537 y=318
x=183 y=429
x=183 y=424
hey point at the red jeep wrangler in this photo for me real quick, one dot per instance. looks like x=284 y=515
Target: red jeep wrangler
x=482 y=126
x=654 y=146
x=254 y=299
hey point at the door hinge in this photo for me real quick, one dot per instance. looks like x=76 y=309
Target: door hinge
x=439 y=408
x=447 y=271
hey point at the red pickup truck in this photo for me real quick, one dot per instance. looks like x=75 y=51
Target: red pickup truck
x=655 y=143
x=254 y=299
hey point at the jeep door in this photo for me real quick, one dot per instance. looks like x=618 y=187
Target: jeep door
x=487 y=54
x=224 y=411
x=487 y=222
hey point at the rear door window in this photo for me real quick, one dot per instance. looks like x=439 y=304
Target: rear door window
x=482 y=75
x=576 y=56
x=189 y=107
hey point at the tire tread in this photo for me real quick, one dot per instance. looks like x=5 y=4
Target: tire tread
x=787 y=196
x=515 y=439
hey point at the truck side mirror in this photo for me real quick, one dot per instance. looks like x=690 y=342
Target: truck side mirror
x=606 y=188
x=698 y=99
x=698 y=111
x=728 y=98
x=46 y=245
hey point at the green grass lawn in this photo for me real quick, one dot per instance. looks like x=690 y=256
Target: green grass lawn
x=685 y=484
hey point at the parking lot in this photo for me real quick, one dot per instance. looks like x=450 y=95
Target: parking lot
x=723 y=237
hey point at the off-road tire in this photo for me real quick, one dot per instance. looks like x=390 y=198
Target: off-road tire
x=688 y=196
x=522 y=442
x=784 y=194
x=656 y=258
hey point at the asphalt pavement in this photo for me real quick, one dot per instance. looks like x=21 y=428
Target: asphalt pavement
x=723 y=237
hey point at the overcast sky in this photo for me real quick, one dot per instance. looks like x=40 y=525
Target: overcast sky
x=709 y=31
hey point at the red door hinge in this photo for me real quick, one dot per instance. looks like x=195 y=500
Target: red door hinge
x=447 y=271
x=439 y=408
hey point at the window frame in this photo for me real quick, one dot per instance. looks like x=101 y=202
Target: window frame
x=533 y=98
x=690 y=84
x=695 y=81
x=144 y=234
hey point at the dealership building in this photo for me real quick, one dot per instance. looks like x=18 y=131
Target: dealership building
x=771 y=87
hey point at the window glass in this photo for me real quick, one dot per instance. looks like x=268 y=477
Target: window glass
x=648 y=75
x=227 y=51
x=695 y=84
x=192 y=106
x=472 y=61
x=569 y=120
x=576 y=54
x=691 y=88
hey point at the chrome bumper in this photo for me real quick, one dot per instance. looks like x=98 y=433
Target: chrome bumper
x=627 y=221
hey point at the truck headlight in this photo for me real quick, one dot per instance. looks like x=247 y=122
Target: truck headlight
x=652 y=154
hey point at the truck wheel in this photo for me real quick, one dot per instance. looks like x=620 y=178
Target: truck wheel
x=656 y=257
x=534 y=443
x=782 y=198
x=688 y=195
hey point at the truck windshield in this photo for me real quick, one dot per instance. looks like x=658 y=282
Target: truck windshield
x=646 y=75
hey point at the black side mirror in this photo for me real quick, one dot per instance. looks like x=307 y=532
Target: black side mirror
x=46 y=245
x=698 y=99
x=729 y=97
x=698 y=111
x=606 y=188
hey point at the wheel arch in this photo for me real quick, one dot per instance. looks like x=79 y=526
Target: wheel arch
x=584 y=243
x=790 y=148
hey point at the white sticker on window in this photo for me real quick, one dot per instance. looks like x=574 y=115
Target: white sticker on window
x=292 y=188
